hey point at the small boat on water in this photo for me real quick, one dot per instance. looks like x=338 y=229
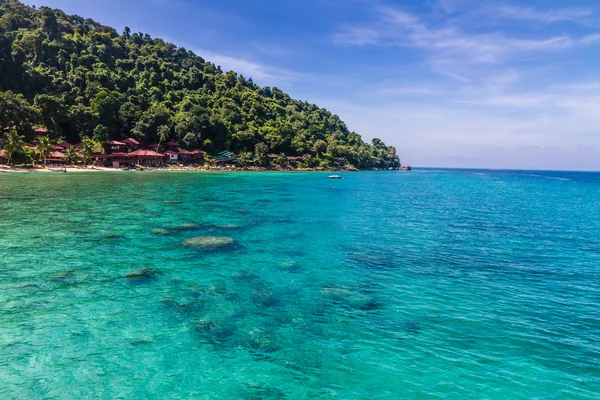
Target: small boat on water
x=335 y=177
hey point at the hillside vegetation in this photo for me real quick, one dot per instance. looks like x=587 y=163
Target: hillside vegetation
x=81 y=79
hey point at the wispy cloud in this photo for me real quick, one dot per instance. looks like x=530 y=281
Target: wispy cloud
x=449 y=43
x=532 y=14
x=261 y=72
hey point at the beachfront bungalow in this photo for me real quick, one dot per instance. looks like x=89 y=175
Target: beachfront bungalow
x=173 y=156
x=198 y=155
x=56 y=157
x=295 y=160
x=132 y=144
x=146 y=158
x=272 y=157
x=185 y=156
x=112 y=146
x=118 y=160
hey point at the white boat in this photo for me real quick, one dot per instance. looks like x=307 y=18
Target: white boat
x=335 y=177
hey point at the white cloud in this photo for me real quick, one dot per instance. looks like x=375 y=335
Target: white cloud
x=261 y=73
x=528 y=13
x=450 y=44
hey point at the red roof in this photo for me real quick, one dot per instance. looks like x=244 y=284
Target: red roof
x=145 y=153
x=58 y=147
x=65 y=144
x=171 y=143
x=170 y=153
x=115 y=143
x=198 y=152
x=184 y=152
x=56 y=154
x=29 y=145
x=131 y=141
x=42 y=130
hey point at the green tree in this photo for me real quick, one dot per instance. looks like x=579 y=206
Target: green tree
x=87 y=150
x=71 y=155
x=281 y=160
x=13 y=144
x=53 y=111
x=320 y=147
x=44 y=147
x=260 y=154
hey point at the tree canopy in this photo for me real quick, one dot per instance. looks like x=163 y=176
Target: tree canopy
x=81 y=79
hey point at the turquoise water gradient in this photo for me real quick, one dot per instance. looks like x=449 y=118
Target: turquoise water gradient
x=430 y=284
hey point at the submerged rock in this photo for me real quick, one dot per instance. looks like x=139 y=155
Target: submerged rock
x=175 y=229
x=172 y=201
x=184 y=227
x=262 y=341
x=214 y=331
x=113 y=236
x=246 y=276
x=257 y=391
x=411 y=326
x=208 y=242
x=291 y=267
x=62 y=276
x=264 y=298
x=142 y=275
x=230 y=226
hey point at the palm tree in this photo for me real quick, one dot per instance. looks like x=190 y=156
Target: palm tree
x=44 y=147
x=71 y=155
x=87 y=150
x=13 y=143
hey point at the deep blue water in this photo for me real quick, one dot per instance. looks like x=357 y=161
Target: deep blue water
x=384 y=285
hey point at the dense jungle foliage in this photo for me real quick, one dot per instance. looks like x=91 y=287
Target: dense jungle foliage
x=81 y=79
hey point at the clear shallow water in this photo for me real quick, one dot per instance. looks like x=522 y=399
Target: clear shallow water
x=429 y=284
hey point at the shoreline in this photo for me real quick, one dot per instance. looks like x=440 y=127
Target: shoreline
x=81 y=169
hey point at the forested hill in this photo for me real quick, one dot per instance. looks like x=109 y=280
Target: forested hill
x=80 y=79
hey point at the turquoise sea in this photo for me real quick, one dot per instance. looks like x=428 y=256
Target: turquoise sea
x=449 y=284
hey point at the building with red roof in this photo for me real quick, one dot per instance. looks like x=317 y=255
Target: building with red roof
x=173 y=156
x=147 y=158
x=132 y=144
x=112 y=146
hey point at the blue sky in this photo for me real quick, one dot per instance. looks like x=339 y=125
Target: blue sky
x=450 y=83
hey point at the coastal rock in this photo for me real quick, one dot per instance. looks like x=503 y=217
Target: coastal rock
x=208 y=242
